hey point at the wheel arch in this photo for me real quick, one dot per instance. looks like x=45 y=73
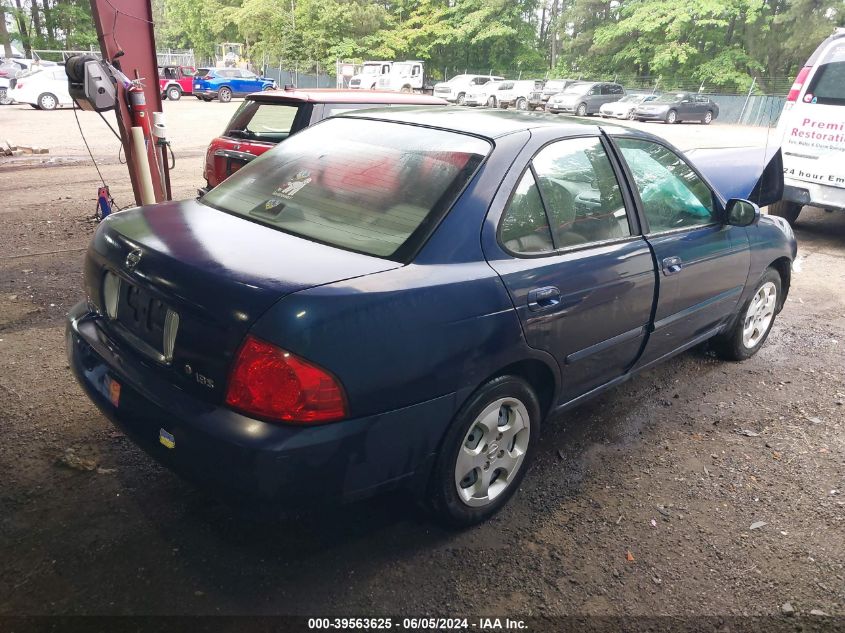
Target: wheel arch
x=538 y=374
x=783 y=267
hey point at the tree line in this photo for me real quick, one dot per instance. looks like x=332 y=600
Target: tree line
x=728 y=43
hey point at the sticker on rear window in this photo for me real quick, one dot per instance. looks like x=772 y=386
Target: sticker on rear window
x=292 y=187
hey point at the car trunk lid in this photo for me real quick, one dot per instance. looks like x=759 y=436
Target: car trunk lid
x=215 y=271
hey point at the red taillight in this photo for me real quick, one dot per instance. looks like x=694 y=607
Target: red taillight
x=799 y=83
x=271 y=383
x=19 y=84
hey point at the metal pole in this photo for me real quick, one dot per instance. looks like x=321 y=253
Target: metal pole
x=750 y=90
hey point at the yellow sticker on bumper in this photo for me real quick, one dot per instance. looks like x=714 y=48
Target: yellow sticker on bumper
x=166 y=439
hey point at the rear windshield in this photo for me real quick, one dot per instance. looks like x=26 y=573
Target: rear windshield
x=261 y=121
x=372 y=187
x=828 y=84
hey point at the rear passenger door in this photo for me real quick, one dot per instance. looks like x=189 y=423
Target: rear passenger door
x=703 y=262
x=578 y=272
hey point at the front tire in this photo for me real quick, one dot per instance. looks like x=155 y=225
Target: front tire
x=671 y=117
x=225 y=95
x=47 y=101
x=491 y=102
x=461 y=98
x=521 y=104
x=174 y=93
x=755 y=321
x=582 y=110
x=787 y=210
x=486 y=452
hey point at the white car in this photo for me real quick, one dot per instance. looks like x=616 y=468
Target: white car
x=812 y=133
x=483 y=95
x=42 y=88
x=456 y=89
x=517 y=93
x=624 y=108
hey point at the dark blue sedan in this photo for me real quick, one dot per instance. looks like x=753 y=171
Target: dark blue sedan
x=400 y=298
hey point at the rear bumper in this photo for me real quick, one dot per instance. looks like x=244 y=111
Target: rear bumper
x=235 y=455
x=650 y=116
x=814 y=194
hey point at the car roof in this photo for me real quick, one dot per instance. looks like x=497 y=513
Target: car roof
x=331 y=95
x=490 y=124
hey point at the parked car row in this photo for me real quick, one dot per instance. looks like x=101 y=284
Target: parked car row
x=14 y=67
x=581 y=98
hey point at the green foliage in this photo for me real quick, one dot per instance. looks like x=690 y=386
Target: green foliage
x=724 y=43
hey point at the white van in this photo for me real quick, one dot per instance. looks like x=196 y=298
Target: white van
x=812 y=133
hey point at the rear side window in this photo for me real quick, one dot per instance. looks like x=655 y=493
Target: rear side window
x=525 y=228
x=581 y=193
x=828 y=84
x=569 y=197
x=373 y=187
x=269 y=122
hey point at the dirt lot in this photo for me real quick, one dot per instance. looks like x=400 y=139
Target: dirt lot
x=640 y=502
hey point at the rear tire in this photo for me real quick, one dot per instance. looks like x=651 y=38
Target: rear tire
x=521 y=104
x=491 y=102
x=708 y=118
x=224 y=95
x=47 y=101
x=754 y=322
x=492 y=438
x=174 y=93
x=787 y=210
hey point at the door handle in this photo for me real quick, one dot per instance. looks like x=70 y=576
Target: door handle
x=543 y=298
x=672 y=265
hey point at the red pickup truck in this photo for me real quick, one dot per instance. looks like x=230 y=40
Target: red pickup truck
x=175 y=81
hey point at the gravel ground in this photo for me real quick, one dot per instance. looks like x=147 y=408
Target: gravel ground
x=641 y=502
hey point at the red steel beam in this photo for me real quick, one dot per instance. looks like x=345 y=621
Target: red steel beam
x=127 y=26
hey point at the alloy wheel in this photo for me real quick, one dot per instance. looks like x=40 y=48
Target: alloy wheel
x=758 y=317
x=492 y=452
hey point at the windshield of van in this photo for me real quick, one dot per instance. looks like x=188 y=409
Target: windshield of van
x=557 y=86
x=828 y=84
x=576 y=89
x=373 y=187
x=371 y=69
